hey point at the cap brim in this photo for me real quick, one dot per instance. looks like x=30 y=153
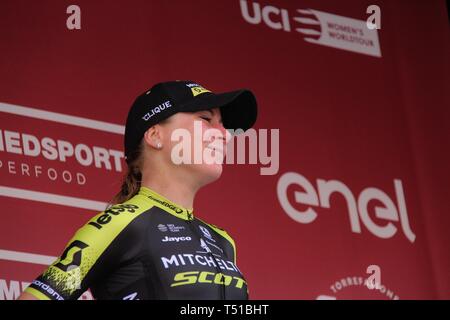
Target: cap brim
x=238 y=108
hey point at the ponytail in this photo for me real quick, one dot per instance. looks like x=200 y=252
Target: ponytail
x=132 y=181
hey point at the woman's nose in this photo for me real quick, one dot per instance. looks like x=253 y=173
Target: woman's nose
x=225 y=135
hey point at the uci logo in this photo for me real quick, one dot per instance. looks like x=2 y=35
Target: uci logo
x=71 y=257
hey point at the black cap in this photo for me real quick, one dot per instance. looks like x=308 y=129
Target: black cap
x=238 y=108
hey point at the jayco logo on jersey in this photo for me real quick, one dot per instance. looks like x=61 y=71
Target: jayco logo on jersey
x=206 y=233
x=316 y=27
x=175 y=239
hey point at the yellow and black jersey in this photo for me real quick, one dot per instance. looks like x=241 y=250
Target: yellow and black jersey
x=145 y=248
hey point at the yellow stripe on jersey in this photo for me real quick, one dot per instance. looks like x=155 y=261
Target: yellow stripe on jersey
x=67 y=273
x=37 y=294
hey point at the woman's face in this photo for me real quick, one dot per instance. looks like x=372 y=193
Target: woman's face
x=195 y=142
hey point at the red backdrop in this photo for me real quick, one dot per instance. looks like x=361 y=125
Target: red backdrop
x=356 y=113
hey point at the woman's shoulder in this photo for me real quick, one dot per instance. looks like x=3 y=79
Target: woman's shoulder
x=119 y=215
x=115 y=220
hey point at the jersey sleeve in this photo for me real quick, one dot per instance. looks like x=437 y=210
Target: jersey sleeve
x=88 y=257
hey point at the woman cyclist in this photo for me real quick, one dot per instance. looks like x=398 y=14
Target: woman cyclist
x=149 y=244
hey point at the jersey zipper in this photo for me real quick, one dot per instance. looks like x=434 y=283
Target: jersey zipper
x=189 y=221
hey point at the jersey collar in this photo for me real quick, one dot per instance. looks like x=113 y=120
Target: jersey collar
x=166 y=204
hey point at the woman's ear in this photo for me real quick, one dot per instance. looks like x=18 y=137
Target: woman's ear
x=153 y=137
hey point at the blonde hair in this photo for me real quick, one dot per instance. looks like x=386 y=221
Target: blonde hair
x=132 y=180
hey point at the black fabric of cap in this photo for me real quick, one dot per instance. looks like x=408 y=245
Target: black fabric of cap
x=238 y=108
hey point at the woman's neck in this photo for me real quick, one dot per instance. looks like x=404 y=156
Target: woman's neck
x=172 y=189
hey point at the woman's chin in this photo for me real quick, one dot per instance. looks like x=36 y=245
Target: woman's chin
x=210 y=172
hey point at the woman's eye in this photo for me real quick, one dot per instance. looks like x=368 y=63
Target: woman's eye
x=206 y=118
